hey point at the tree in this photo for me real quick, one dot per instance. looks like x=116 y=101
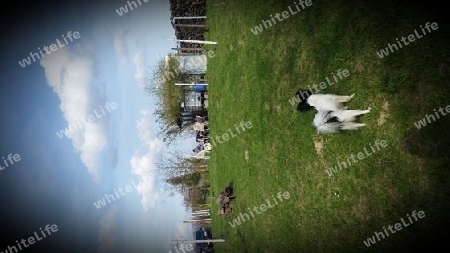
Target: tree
x=187 y=180
x=185 y=176
x=162 y=85
x=174 y=165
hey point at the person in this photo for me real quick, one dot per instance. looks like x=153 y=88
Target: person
x=203 y=133
x=199 y=148
x=201 y=139
x=200 y=119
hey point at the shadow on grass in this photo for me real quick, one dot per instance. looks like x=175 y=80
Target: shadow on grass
x=432 y=144
x=429 y=141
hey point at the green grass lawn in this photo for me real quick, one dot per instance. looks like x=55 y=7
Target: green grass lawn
x=252 y=77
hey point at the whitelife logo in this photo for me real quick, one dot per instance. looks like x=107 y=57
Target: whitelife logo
x=243 y=125
x=183 y=247
x=322 y=85
x=81 y=123
x=124 y=9
x=397 y=226
x=411 y=38
x=422 y=123
x=31 y=239
x=110 y=198
x=244 y=216
x=53 y=47
x=285 y=14
x=10 y=158
x=360 y=157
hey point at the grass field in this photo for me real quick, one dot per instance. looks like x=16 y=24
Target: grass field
x=252 y=77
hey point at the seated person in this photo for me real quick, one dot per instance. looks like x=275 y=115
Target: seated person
x=201 y=139
x=201 y=134
x=199 y=148
x=204 y=133
x=200 y=119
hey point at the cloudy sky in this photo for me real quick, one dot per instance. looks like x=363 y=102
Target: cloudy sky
x=62 y=174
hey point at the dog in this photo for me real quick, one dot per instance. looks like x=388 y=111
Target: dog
x=225 y=210
x=335 y=121
x=321 y=102
x=225 y=196
x=229 y=191
x=224 y=201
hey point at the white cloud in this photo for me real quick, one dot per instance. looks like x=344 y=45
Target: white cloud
x=183 y=231
x=144 y=160
x=107 y=232
x=71 y=73
x=140 y=63
x=121 y=47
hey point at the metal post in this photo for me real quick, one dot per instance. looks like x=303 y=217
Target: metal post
x=188 y=49
x=191 y=84
x=198 y=241
x=197 y=41
x=189 y=25
x=194 y=17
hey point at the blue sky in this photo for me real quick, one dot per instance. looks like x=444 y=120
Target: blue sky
x=57 y=179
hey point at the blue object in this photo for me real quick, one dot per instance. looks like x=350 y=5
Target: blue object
x=199 y=87
x=204 y=234
x=198 y=149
